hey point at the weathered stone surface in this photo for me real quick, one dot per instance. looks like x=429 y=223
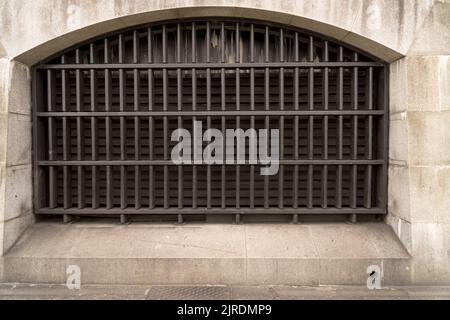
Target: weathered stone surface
x=434 y=36
x=428 y=88
x=399 y=195
x=18 y=140
x=387 y=29
x=392 y=23
x=402 y=229
x=203 y=254
x=398 y=90
x=429 y=138
x=430 y=189
x=14 y=228
x=4 y=85
x=399 y=139
x=19 y=100
x=3 y=137
x=431 y=252
x=18 y=198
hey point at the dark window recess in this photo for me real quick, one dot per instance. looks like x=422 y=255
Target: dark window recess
x=104 y=112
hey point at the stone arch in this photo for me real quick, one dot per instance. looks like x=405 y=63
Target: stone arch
x=48 y=42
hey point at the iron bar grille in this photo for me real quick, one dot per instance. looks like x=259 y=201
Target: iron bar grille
x=104 y=112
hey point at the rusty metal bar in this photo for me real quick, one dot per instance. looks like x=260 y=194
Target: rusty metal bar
x=354 y=174
x=53 y=196
x=123 y=169
x=137 y=123
x=217 y=211
x=281 y=124
x=65 y=138
x=200 y=65
x=369 y=141
x=165 y=120
x=180 y=121
x=94 y=130
x=238 y=118
x=151 y=124
x=223 y=119
x=108 y=97
x=340 y=128
x=80 y=140
x=252 y=108
x=326 y=95
x=170 y=162
x=311 y=123
x=194 y=108
x=266 y=106
x=208 y=107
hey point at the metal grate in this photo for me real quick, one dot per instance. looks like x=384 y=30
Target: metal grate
x=104 y=112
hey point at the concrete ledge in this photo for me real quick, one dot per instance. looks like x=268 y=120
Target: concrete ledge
x=269 y=254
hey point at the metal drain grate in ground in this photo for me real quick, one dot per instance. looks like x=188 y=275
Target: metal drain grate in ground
x=188 y=293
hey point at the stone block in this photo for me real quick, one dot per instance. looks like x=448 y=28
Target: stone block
x=430 y=194
x=429 y=138
x=13 y=230
x=402 y=229
x=431 y=253
x=399 y=140
x=18 y=197
x=399 y=193
x=18 y=140
x=428 y=85
x=19 y=89
x=434 y=36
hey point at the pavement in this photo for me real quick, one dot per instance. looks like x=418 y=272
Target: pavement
x=94 y=292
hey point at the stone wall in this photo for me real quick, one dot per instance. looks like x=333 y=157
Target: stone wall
x=419 y=192
x=412 y=35
x=15 y=152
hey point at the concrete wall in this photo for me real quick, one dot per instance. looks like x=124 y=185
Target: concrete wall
x=413 y=35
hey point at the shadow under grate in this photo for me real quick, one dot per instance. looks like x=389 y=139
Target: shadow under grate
x=188 y=293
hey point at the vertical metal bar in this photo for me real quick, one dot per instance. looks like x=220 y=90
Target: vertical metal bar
x=311 y=123
x=109 y=182
x=180 y=121
x=66 y=177
x=281 y=106
x=325 y=127
x=53 y=200
x=369 y=141
x=223 y=100
x=194 y=108
x=80 y=140
x=36 y=95
x=137 y=123
x=208 y=107
x=267 y=107
x=252 y=107
x=340 y=128
x=94 y=132
x=238 y=119
x=354 y=176
x=296 y=126
x=151 y=124
x=165 y=119
x=384 y=177
x=123 y=169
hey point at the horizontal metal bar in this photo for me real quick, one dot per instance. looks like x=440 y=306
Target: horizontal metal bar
x=170 y=163
x=212 y=65
x=215 y=113
x=231 y=211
